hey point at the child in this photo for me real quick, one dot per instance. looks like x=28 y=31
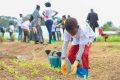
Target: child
x=78 y=54
x=26 y=29
x=58 y=31
x=53 y=30
x=11 y=29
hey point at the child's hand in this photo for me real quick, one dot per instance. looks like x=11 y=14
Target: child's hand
x=63 y=66
x=74 y=68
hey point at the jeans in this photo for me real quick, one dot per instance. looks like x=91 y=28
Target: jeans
x=48 y=24
x=11 y=33
x=19 y=33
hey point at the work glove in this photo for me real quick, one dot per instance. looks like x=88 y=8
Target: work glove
x=74 y=67
x=63 y=66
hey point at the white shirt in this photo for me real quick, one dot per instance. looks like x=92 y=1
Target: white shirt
x=82 y=36
x=54 y=25
x=26 y=25
x=11 y=28
x=20 y=21
x=48 y=13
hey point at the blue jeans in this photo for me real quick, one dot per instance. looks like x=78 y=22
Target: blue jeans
x=19 y=33
x=48 y=24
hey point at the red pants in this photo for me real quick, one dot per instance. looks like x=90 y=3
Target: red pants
x=73 y=52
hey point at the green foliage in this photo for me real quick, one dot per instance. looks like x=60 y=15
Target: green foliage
x=107 y=26
x=13 y=71
x=48 y=78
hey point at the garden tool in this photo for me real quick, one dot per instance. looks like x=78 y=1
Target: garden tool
x=55 y=61
x=82 y=72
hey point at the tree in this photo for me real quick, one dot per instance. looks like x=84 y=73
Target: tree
x=107 y=26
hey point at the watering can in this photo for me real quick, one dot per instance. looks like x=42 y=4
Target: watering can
x=55 y=61
x=54 y=58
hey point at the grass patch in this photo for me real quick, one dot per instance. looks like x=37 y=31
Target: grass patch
x=112 y=38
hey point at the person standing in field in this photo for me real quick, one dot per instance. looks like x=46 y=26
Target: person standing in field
x=92 y=19
x=36 y=24
x=19 y=25
x=26 y=29
x=48 y=14
x=63 y=22
x=11 y=29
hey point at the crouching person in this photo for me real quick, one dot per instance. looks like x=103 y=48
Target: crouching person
x=78 y=53
x=26 y=29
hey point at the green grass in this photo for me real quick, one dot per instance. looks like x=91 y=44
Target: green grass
x=112 y=38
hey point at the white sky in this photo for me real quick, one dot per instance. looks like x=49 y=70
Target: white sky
x=108 y=10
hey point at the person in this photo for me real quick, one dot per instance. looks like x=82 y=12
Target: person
x=11 y=29
x=68 y=16
x=26 y=29
x=78 y=53
x=48 y=14
x=53 y=30
x=92 y=19
x=19 y=25
x=63 y=22
x=58 y=32
x=38 y=36
x=2 y=29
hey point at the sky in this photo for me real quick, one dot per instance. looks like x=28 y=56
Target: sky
x=107 y=10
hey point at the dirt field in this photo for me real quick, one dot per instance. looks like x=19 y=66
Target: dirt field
x=33 y=63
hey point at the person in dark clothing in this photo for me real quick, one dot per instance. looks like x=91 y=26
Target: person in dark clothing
x=63 y=22
x=92 y=19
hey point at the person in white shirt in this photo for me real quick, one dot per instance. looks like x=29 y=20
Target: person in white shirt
x=26 y=29
x=78 y=53
x=58 y=32
x=53 y=30
x=11 y=29
x=48 y=14
x=19 y=25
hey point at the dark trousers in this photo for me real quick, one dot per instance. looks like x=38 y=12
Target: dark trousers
x=53 y=36
x=11 y=33
x=48 y=24
x=58 y=35
x=26 y=36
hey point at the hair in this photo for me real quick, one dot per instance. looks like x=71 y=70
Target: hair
x=64 y=16
x=37 y=7
x=31 y=18
x=48 y=4
x=20 y=15
x=91 y=10
x=71 y=23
